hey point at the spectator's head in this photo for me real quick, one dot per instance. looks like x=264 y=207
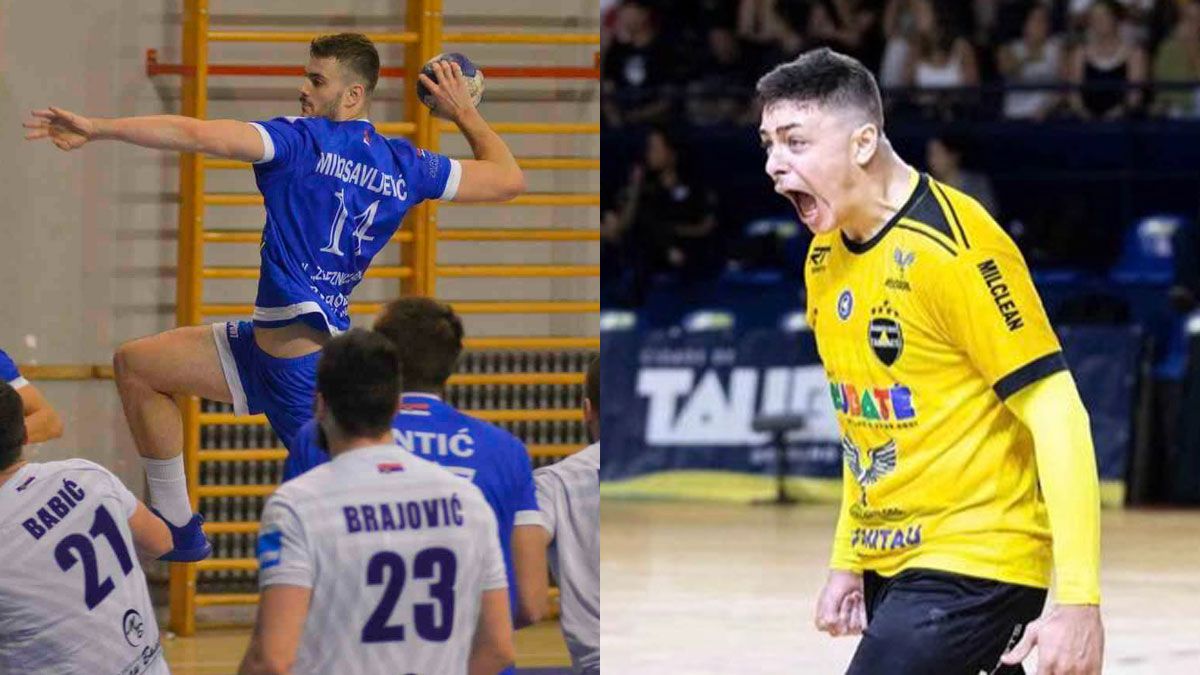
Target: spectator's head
x=1036 y=28
x=358 y=388
x=723 y=45
x=822 y=126
x=340 y=77
x=427 y=335
x=12 y=425
x=662 y=150
x=924 y=16
x=1104 y=20
x=1188 y=24
x=635 y=24
x=591 y=398
x=944 y=156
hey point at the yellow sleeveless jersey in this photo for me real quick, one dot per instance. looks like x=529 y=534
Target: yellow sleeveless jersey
x=924 y=331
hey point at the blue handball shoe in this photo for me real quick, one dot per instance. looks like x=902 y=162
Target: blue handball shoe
x=190 y=543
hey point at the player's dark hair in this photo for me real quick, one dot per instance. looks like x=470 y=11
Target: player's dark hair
x=592 y=386
x=429 y=337
x=12 y=425
x=824 y=77
x=354 y=51
x=359 y=378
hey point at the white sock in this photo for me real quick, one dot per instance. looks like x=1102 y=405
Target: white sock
x=168 y=489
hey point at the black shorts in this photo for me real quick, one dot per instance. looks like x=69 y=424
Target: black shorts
x=926 y=621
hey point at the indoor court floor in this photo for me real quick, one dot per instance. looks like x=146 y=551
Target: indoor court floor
x=217 y=650
x=702 y=588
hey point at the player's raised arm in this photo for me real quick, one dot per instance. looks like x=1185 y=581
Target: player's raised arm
x=229 y=139
x=493 y=175
x=492 y=650
x=41 y=421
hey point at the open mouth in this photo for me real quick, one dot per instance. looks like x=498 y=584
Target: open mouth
x=805 y=203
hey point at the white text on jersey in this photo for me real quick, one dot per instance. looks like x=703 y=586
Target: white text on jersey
x=356 y=173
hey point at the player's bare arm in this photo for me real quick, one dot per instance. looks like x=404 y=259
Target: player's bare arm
x=228 y=139
x=529 y=544
x=492 y=649
x=493 y=176
x=282 y=611
x=151 y=537
x=42 y=422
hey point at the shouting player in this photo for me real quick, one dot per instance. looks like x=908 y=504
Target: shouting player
x=73 y=598
x=378 y=561
x=969 y=469
x=335 y=191
x=41 y=421
x=428 y=335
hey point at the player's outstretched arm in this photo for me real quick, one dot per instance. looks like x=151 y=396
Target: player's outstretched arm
x=492 y=649
x=229 y=139
x=493 y=176
x=529 y=544
x=151 y=537
x=282 y=611
x=42 y=422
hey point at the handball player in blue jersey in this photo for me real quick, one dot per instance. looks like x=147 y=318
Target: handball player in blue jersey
x=335 y=191
x=428 y=335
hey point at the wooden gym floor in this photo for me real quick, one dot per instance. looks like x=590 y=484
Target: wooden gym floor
x=715 y=588
x=219 y=650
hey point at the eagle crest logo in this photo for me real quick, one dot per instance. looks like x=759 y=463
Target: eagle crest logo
x=882 y=462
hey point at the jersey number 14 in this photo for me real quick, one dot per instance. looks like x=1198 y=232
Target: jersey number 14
x=362 y=223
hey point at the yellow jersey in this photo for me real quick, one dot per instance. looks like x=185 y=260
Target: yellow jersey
x=924 y=331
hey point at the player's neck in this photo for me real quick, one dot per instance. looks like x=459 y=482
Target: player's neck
x=11 y=471
x=888 y=187
x=352 y=114
x=339 y=446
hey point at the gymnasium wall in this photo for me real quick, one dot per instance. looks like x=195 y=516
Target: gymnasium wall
x=87 y=239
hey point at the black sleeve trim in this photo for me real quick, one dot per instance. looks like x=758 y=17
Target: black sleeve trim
x=1029 y=373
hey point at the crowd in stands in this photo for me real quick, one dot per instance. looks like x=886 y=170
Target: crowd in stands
x=671 y=65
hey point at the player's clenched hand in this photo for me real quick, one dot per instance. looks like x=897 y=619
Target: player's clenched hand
x=840 y=609
x=450 y=90
x=64 y=128
x=1070 y=641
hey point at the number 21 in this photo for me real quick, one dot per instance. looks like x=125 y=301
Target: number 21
x=75 y=548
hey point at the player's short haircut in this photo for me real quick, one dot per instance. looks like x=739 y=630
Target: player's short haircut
x=359 y=378
x=827 y=78
x=354 y=51
x=592 y=386
x=429 y=337
x=12 y=425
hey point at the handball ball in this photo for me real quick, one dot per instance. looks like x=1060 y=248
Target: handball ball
x=471 y=74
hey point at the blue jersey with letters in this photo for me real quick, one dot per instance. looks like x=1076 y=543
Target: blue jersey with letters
x=495 y=460
x=9 y=372
x=335 y=193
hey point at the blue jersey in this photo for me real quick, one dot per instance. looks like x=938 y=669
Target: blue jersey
x=335 y=193
x=495 y=460
x=9 y=372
